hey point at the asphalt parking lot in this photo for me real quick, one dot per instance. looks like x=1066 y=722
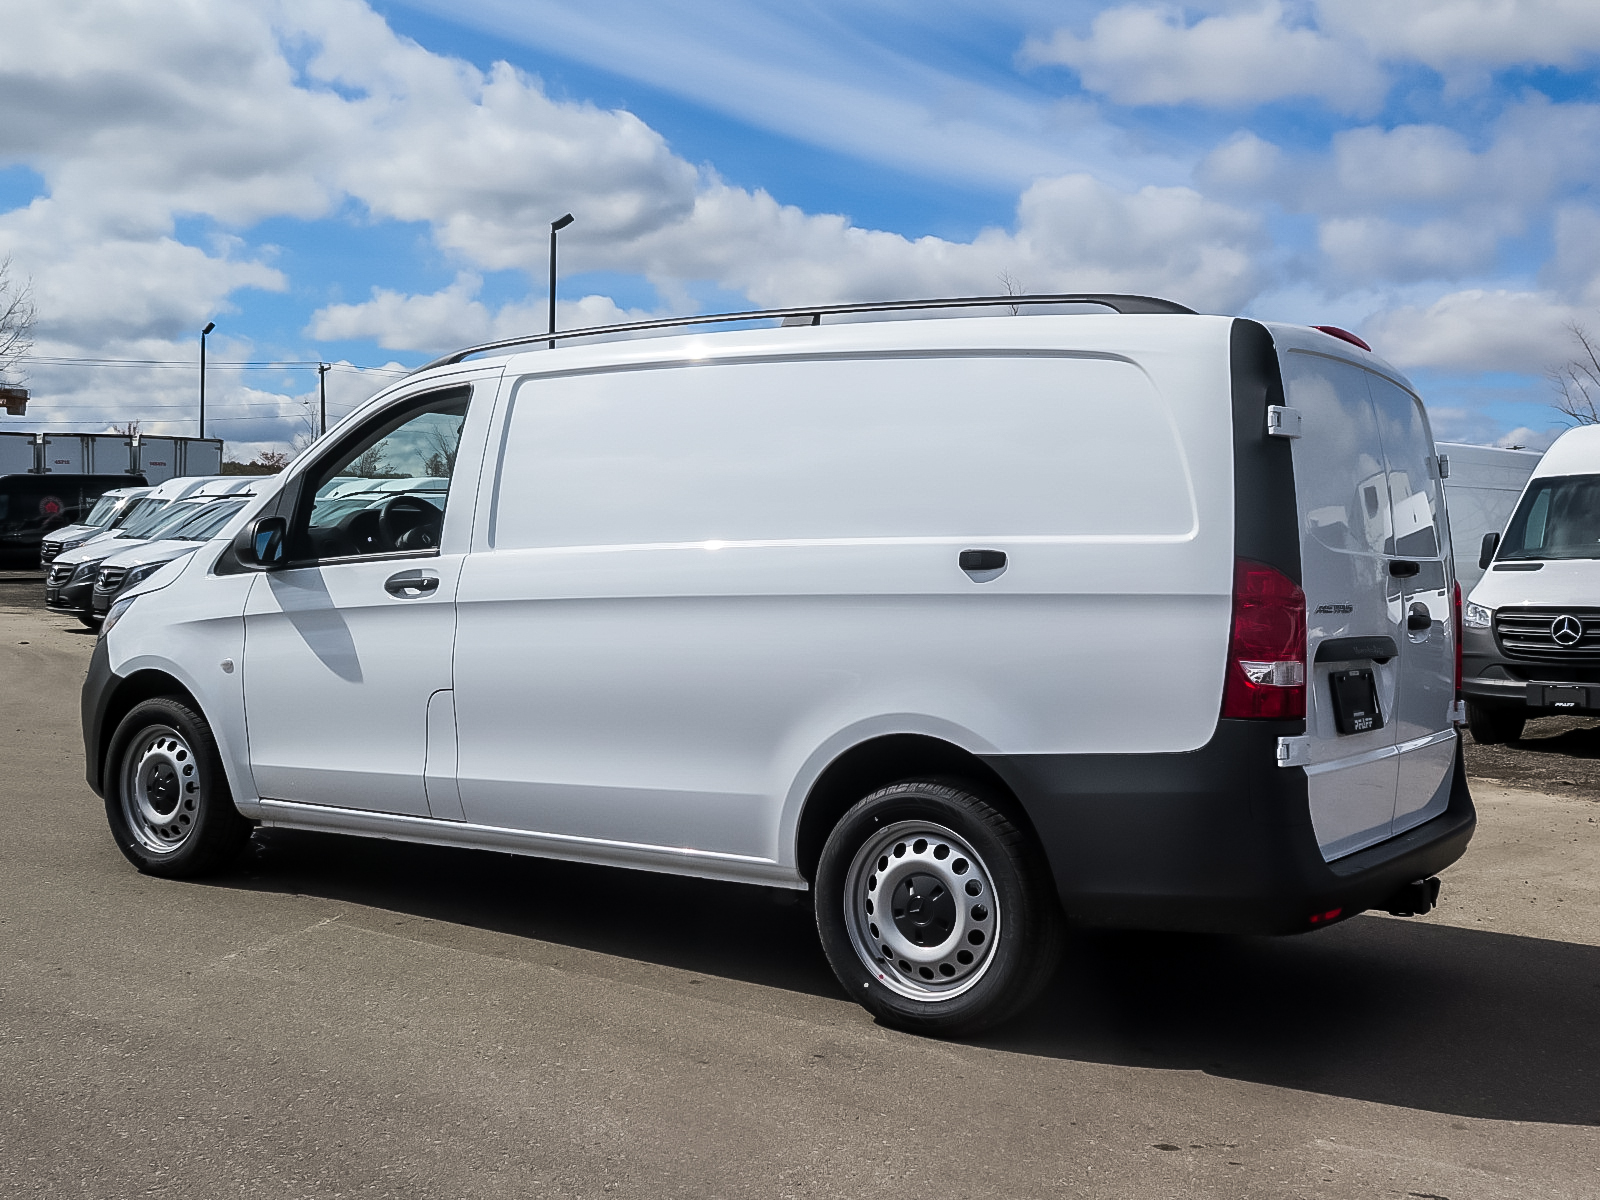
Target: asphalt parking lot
x=345 y=1018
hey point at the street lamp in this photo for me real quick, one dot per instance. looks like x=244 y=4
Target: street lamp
x=556 y=227
x=210 y=325
x=322 y=386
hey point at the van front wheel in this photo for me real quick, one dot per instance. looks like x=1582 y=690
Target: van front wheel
x=935 y=910
x=1493 y=726
x=167 y=799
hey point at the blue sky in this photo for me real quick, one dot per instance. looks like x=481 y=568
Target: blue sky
x=370 y=183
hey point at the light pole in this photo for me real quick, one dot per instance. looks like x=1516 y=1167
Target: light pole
x=210 y=325
x=556 y=227
x=322 y=387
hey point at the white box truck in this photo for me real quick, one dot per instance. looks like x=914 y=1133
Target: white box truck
x=1481 y=491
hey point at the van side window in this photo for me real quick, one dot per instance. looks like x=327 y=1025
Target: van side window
x=384 y=490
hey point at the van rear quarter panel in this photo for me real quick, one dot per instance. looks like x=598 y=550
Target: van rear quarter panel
x=638 y=659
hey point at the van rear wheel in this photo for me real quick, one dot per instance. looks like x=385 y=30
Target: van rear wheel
x=935 y=910
x=167 y=799
x=1492 y=726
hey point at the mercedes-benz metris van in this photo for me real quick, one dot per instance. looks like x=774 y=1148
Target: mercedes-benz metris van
x=110 y=511
x=1142 y=618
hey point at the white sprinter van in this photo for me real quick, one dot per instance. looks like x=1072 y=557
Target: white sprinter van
x=1140 y=617
x=1532 y=637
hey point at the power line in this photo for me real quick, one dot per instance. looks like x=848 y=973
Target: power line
x=46 y=360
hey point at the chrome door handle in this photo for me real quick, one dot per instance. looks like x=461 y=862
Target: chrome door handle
x=410 y=584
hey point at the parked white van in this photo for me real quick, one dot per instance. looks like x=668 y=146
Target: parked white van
x=1532 y=643
x=1139 y=616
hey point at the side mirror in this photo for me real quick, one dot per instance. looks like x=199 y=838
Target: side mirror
x=1491 y=543
x=260 y=544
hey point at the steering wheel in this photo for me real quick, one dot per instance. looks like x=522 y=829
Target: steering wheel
x=408 y=523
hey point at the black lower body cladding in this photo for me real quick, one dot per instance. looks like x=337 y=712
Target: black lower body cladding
x=98 y=686
x=1215 y=840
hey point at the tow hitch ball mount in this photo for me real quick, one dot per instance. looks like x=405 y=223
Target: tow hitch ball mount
x=1414 y=899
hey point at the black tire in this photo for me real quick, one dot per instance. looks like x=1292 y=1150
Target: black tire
x=953 y=866
x=1492 y=726
x=89 y=619
x=167 y=798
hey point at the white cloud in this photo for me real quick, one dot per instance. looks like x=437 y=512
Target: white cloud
x=1151 y=54
x=1244 y=164
x=1249 y=54
x=1575 y=264
x=1484 y=34
x=452 y=318
x=816 y=73
x=1364 y=249
x=1477 y=330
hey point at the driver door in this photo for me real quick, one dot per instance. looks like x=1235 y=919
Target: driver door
x=346 y=646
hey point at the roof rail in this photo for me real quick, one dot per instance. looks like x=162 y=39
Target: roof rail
x=813 y=315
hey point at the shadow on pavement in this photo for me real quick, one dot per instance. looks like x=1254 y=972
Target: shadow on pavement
x=1399 y=1012
x=1572 y=743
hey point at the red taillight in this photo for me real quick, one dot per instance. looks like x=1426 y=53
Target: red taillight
x=1344 y=335
x=1267 y=650
x=1458 y=639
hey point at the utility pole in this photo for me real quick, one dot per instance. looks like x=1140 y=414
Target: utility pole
x=556 y=227
x=210 y=325
x=322 y=386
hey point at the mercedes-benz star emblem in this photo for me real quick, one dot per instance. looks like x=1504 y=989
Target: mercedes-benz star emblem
x=1566 y=630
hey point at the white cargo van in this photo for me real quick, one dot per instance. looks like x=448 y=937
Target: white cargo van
x=1143 y=617
x=1532 y=638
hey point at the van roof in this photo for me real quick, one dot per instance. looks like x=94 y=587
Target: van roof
x=184 y=485
x=813 y=315
x=1575 y=452
x=225 y=485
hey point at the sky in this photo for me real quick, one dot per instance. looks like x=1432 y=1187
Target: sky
x=369 y=183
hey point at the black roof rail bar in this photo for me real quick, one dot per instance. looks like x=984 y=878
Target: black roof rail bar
x=1116 y=302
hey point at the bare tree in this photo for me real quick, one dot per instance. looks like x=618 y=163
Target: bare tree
x=370 y=464
x=1013 y=287
x=16 y=320
x=1578 y=379
x=444 y=439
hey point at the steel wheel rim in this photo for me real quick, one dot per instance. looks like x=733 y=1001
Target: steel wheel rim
x=892 y=898
x=161 y=790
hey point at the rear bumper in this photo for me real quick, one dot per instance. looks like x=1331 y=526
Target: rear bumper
x=1216 y=840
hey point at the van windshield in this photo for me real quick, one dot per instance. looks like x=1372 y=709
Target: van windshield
x=146 y=512
x=205 y=523
x=1559 y=517
x=163 y=523
x=104 y=510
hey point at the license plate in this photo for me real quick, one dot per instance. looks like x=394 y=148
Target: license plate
x=1355 y=701
x=1559 y=696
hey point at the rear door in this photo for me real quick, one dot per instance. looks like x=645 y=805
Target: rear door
x=1354 y=626
x=1420 y=584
